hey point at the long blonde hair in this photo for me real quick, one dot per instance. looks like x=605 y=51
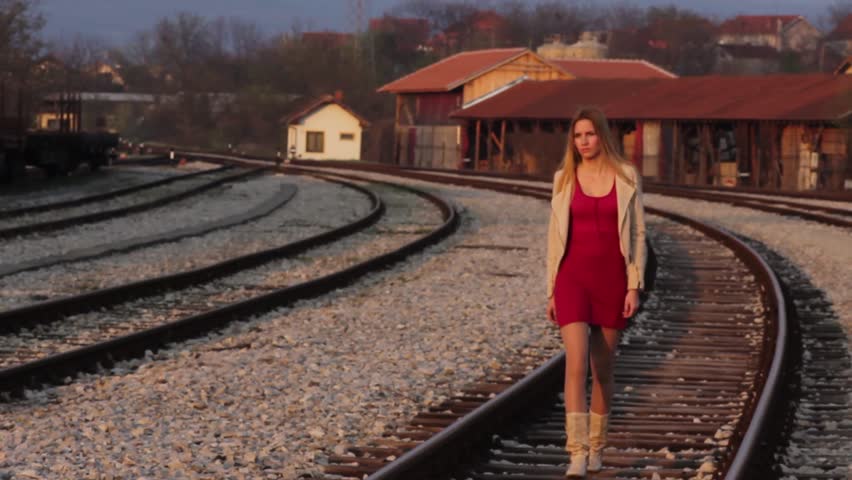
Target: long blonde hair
x=609 y=147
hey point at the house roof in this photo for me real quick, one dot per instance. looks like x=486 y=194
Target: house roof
x=843 y=30
x=813 y=97
x=612 y=68
x=756 y=24
x=302 y=107
x=454 y=71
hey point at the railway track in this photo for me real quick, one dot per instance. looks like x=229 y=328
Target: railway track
x=100 y=197
x=808 y=210
x=89 y=253
x=679 y=421
x=20 y=226
x=49 y=341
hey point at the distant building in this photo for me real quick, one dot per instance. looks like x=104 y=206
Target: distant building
x=424 y=133
x=747 y=59
x=781 y=32
x=590 y=45
x=99 y=110
x=107 y=72
x=840 y=39
x=322 y=129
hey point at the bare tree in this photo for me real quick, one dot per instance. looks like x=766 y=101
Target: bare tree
x=20 y=27
x=181 y=46
x=835 y=13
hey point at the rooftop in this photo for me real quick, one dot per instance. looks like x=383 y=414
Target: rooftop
x=813 y=97
x=612 y=68
x=454 y=71
x=756 y=24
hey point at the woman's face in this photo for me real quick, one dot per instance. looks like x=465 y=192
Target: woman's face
x=586 y=139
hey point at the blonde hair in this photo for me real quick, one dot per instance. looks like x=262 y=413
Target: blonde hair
x=609 y=147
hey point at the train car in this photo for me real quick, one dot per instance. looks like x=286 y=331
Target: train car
x=58 y=149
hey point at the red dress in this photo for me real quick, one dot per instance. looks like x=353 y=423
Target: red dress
x=592 y=282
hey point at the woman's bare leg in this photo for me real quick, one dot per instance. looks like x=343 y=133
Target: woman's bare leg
x=602 y=344
x=575 y=338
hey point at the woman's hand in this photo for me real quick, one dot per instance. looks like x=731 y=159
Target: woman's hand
x=631 y=303
x=551 y=310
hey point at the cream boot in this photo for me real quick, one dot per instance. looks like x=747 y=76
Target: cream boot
x=598 y=425
x=577 y=443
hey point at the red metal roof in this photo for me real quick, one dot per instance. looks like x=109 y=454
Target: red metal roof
x=843 y=31
x=454 y=71
x=755 y=24
x=768 y=97
x=303 y=107
x=612 y=68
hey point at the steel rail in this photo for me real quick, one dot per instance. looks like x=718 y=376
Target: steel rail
x=757 y=417
x=53 y=225
x=53 y=310
x=755 y=421
x=56 y=368
x=104 y=196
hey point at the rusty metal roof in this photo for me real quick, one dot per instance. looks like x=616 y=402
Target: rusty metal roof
x=813 y=97
x=454 y=71
x=611 y=68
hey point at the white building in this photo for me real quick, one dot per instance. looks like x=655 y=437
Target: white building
x=323 y=129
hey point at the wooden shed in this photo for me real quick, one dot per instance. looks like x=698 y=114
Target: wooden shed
x=777 y=131
x=424 y=133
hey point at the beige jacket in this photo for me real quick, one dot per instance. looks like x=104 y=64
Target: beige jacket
x=631 y=222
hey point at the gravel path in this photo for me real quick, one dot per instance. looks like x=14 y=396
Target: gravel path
x=821 y=251
x=263 y=400
x=317 y=206
x=213 y=204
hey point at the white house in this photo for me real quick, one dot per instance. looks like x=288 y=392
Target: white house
x=324 y=129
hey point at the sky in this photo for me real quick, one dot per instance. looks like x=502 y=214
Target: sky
x=115 y=21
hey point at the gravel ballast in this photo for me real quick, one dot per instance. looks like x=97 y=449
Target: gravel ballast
x=318 y=206
x=264 y=400
x=268 y=397
x=821 y=251
x=217 y=203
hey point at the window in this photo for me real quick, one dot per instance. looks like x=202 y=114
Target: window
x=315 y=142
x=347 y=136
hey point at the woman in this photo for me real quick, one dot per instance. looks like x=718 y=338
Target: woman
x=595 y=269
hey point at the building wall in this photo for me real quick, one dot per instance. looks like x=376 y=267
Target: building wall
x=430 y=146
x=527 y=64
x=332 y=121
x=801 y=37
x=769 y=39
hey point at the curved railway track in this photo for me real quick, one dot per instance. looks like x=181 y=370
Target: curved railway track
x=220 y=177
x=100 y=197
x=787 y=424
x=90 y=253
x=782 y=205
x=36 y=346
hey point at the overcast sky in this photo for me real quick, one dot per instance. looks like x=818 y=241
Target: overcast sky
x=116 y=20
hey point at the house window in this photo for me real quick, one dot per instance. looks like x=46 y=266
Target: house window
x=347 y=136
x=315 y=142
